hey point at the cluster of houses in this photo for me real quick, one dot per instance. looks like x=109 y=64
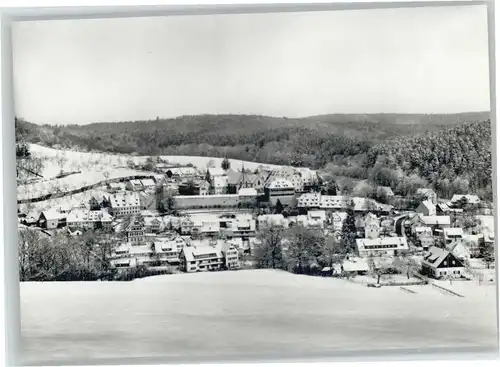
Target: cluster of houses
x=209 y=226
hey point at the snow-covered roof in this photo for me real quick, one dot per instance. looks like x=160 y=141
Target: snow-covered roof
x=435 y=257
x=367 y=204
x=279 y=183
x=53 y=214
x=148 y=182
x=125 y=199
x=453 y=232
x=472 y=199
x=149 y=221
x=247 y=191
x=355 y=264
x=210 y=226
x=272 y=219
x=220 y=181
x=168 y=244
x=193 y=252
x=136 y=182
x=82 y=215
x=244 y=220
x=436 y=219
x=216 y=171
x=429 y=205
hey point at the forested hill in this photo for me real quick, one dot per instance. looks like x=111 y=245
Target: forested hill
x=249 y=137
x=451 y=153
x=455 y=160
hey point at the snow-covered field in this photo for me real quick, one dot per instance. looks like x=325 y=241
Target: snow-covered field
x=74 y=159
x=70 y=201
x=97 y=167
x=253 y=314
x=72 y=182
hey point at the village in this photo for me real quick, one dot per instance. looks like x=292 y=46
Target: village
x=195 y=220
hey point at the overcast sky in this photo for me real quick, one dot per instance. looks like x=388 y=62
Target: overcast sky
x=282 y=64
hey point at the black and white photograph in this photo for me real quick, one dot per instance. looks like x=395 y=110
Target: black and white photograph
x=255 y=186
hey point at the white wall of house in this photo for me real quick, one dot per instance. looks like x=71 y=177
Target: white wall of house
x=443 y=272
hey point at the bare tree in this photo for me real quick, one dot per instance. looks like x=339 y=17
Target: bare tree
x=269 y=252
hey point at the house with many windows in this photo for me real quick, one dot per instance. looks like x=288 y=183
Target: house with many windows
x=452 y=235
x=134 y=229
x=372 y=226
x=203 y=256
x=337 y=220
x=88 y=219
x=289 y=174
x=440 y=263
x=282 y=190
x=124 y=203
x=167 y=250
x=52 y=219
x=128 y=256
x=381 y=246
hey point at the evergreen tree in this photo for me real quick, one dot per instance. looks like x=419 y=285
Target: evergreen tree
x=349 y=231
x=225 y=165
x=279 y=207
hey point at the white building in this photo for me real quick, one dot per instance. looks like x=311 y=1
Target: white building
x=148 y=183
x=372 y=226
x=244 y=225
x=471 y=199
x=440 y=263
x=169 y=249
x=124 y=203
x=280 y=189
x=268 y=220
x=452 y=235
x=316 y=200
x=51 y=219
x=134 y=230
x=153 y=224
x=426 y=207
x=337 y=220
x=316 y=218
x=381 y=246
x=298 y=177
x=216 y=171
x=88 y=219
x=436 y=221
x=219 y=184
x=215 y=256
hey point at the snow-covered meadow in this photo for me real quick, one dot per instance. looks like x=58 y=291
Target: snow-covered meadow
x=70 y=201
x=74 y=160
x=97 y=167
x=250 y=314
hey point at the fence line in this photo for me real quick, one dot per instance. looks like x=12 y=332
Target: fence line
x=407 y=290
x=447 y=290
